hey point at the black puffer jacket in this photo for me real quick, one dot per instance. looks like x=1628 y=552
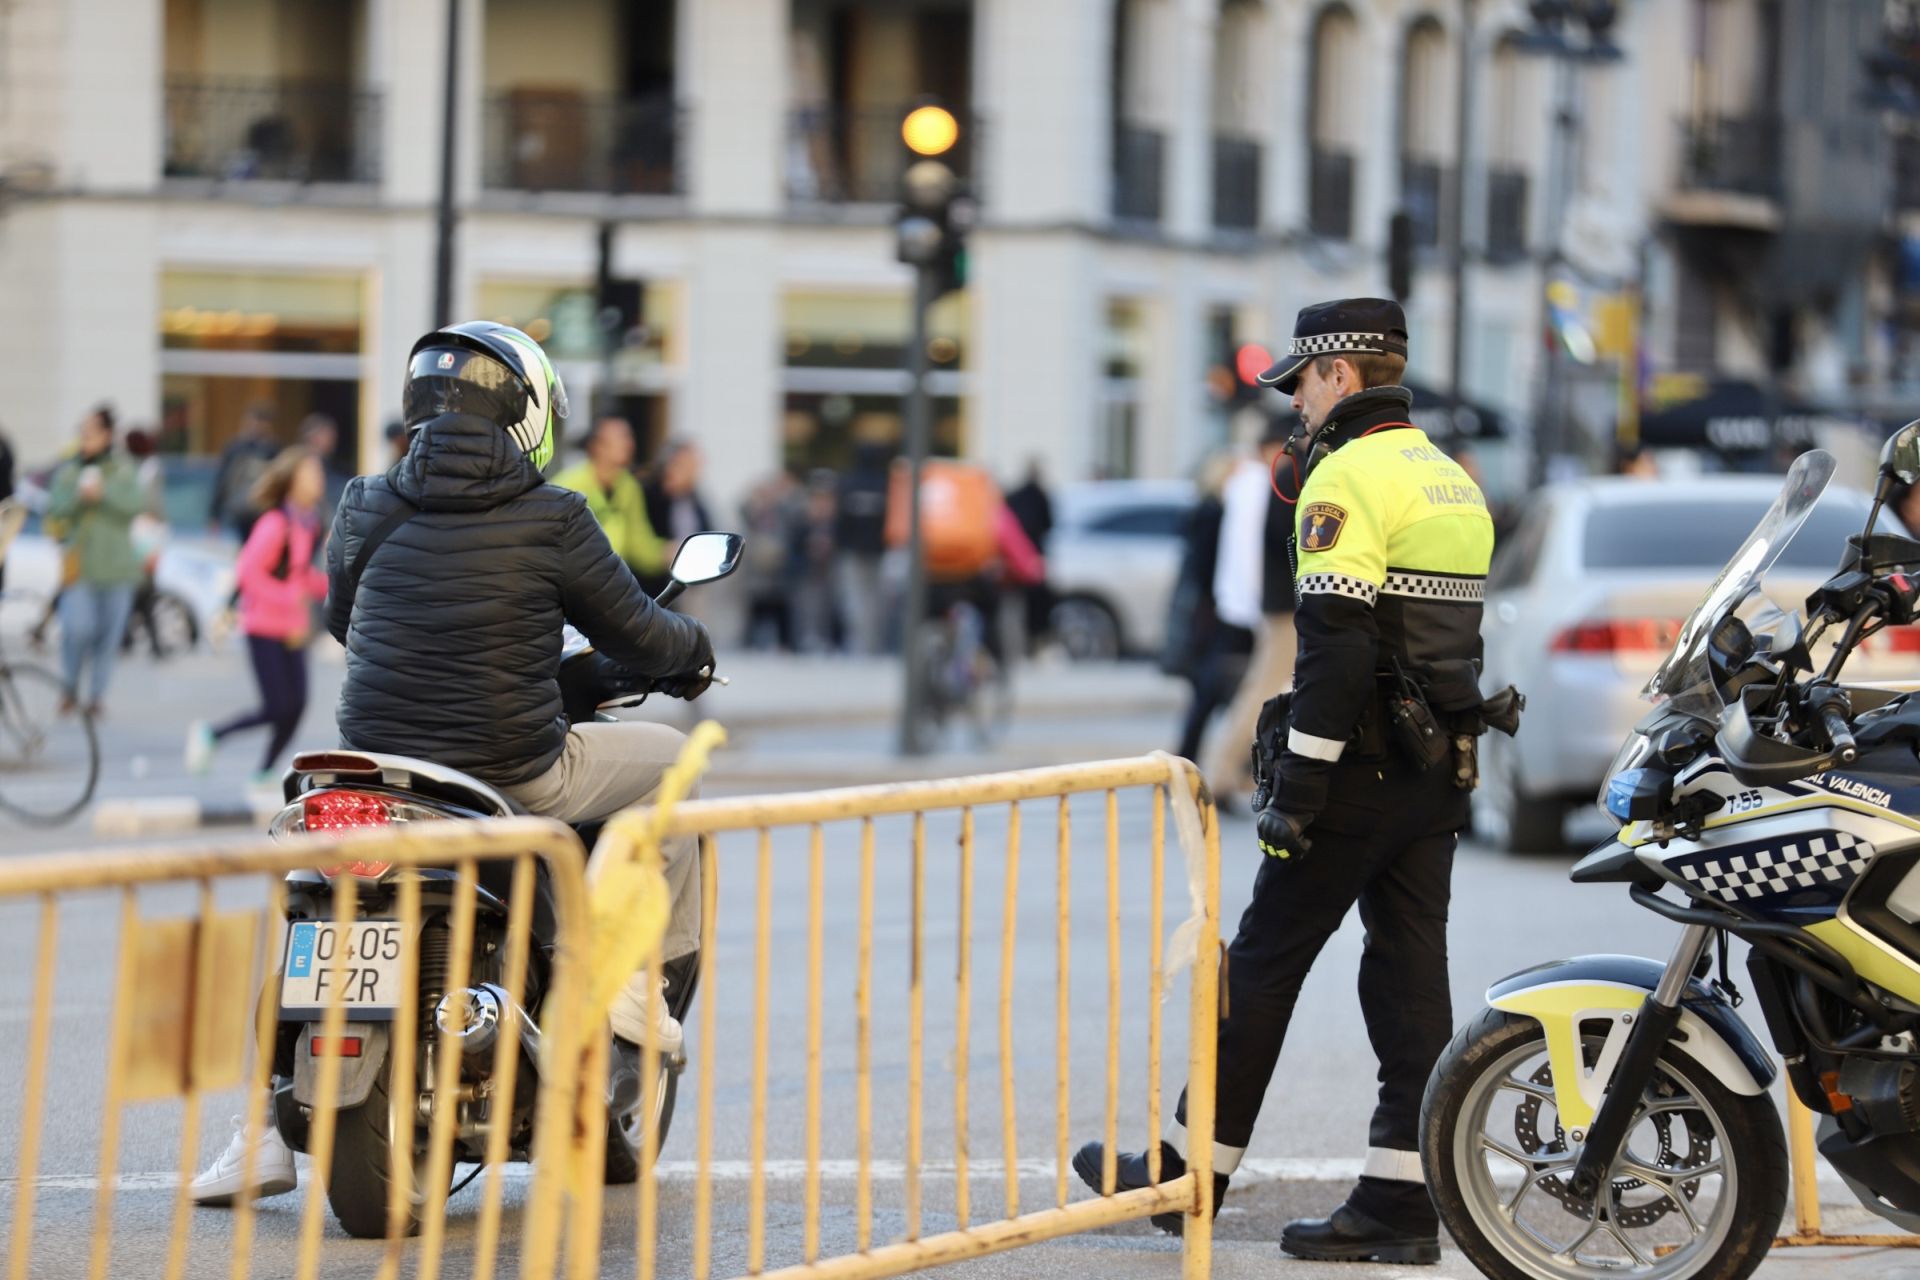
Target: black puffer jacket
x=453 y=634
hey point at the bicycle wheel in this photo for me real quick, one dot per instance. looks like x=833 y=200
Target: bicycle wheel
x=49 y=762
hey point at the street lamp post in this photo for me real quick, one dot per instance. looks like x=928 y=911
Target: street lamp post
x=933 y=220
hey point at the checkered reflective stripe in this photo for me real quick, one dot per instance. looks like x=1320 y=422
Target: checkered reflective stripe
x=1435 y=586
x=1831 y=860
x=1321 y=344
x=1338 y=584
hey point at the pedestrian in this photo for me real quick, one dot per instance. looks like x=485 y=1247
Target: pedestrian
x=810 y=563
x=1253 y=590
x=768 y=516
x=96 y=496
x=242 y=463
x=149 y=537
x=280 y=582
x=605 y=479
x=396 y=438
x=860 y=537
x=674 y=505
x=1032 y=506
x=1393 y=541
x=1209 y=653
x=320 y=435
x=6 y=493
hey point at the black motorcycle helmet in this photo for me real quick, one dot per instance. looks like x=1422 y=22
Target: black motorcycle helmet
x=491 y=371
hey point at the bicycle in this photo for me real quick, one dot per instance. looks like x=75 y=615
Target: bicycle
x=963 y=678
x=49 y=753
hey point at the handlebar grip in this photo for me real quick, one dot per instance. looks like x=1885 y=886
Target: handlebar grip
x=1845 y=750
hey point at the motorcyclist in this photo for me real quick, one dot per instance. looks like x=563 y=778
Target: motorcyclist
x=451 y=577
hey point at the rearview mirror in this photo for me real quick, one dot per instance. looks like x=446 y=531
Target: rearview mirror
x=1900 y=458
x=706 y=557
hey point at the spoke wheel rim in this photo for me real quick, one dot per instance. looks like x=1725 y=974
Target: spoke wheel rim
x=1500 y=1212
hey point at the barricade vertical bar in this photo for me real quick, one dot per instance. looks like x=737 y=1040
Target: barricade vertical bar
x=863 y=1017
x=33 y=1097
x=446 y=1073
x=505 y=1060
x=1806 y=1185
x=266 y=1019
x=1155 y=979
x=1062 y=957
x=404 y=1031
x=326 y=1097
x=1202 y=1054
x=1109 y=1162
x=963 y=1020
x=583 y=1244
x=650 y=1068
x=191 y=1105
x=703 y=1184
x=816 y=913
x=116 y=1086
x=915 y=1019
x=1009 y=925
x=763 y=947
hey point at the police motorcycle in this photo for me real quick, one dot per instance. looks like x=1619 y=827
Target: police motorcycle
x=1610 y=1115
x=341 y=790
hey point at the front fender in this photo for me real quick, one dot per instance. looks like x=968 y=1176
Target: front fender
x=1562 y=995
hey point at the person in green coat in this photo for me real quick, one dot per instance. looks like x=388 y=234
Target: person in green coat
x=606 y=480
x=95 y=495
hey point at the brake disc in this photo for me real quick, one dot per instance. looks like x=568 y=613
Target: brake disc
x=1526 y=1128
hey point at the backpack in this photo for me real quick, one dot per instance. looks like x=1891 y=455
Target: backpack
x=959 y=517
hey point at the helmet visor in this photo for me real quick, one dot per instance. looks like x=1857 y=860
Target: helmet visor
x=461 y=380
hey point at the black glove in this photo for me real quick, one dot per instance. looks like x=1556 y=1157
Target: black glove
x=1283 y=835
x=687 y=687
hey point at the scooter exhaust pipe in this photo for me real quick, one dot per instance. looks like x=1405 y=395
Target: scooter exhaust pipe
x=473 y=1016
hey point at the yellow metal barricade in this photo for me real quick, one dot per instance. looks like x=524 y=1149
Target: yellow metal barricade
x=195 y=996
x=1804 y=1162
x=1169 y=785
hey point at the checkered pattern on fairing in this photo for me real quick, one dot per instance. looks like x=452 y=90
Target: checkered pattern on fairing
x=1833 y=859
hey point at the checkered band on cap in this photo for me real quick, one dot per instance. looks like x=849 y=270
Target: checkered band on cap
x=1435 y=586
x=1322 y=344
x=1338 y=584
x=1832 y=860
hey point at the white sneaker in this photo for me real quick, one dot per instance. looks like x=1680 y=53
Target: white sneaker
x=200 y=743
x=273 y=1170
x=629 y=1015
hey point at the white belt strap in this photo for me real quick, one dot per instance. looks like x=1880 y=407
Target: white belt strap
x=1305 y=744
x=1397 y=1166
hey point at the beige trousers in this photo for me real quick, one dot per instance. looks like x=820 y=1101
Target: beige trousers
x=1229 y=758
x=609 y=767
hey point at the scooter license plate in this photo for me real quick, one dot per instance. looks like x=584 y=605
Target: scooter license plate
x=358 y=964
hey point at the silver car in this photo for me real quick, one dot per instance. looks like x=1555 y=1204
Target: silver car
x=1112 y=559
x=1586 y=597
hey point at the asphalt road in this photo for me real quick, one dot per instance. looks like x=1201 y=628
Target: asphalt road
x=1508 y=913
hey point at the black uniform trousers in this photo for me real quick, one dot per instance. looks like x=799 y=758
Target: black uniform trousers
x=1386 y=841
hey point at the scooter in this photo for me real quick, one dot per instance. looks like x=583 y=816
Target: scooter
x=341 y=790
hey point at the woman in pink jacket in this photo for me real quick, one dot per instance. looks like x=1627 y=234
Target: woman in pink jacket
x=279 y=585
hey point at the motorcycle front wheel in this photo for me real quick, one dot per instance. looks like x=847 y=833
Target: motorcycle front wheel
x=1697 y=1193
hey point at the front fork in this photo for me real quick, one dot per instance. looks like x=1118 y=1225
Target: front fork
x=1653 y=1026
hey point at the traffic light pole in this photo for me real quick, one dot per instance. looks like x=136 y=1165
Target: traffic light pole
x=913 y=708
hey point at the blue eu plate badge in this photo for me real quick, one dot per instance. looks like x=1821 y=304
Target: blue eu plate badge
x=300 y=950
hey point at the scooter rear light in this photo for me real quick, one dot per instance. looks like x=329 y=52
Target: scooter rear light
x=344 y=1047
x=344 y=811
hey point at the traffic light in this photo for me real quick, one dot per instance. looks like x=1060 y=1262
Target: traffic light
x=1400 y=255
x=936 y=212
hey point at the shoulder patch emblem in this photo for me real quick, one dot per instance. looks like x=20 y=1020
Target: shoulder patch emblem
x=1320 y=526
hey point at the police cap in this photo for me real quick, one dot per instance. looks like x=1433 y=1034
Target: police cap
x=1345 y=325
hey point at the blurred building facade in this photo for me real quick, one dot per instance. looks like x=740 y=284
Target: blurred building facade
x=210 y=203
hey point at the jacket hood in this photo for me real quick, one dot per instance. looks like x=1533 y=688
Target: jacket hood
x=460 y=462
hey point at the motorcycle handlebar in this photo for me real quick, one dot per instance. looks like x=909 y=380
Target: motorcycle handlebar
x=1834 y=721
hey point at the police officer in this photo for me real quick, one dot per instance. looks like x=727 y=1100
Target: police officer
x=1392 y=541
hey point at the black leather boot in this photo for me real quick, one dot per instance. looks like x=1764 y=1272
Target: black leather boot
x=1351 y=1236
x=1130 y=1174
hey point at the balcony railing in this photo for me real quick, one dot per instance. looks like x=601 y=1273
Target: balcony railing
x=1424 y=188
x=1732 y=153
x=845 y=155
x=1330 y=194
x=1236 y=183
x=1506 y=214
x=563 y=140
x=1139 y=170
x=273 y=130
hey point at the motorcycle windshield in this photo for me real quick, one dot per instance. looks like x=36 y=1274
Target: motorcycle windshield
x=1685 y=681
